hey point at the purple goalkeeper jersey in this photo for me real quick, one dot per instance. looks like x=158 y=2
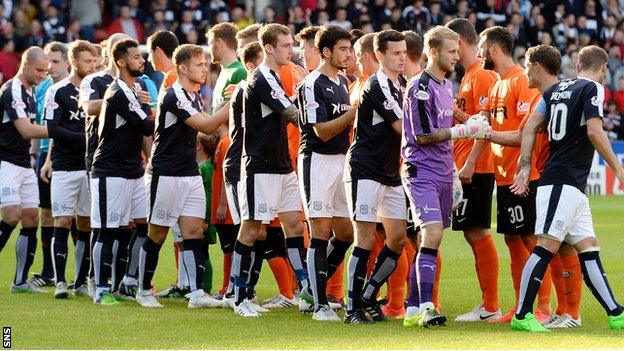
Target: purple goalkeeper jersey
x=428 y=106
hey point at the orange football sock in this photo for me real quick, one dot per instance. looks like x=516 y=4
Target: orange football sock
x=486 y=264
x=556 y=272
x=436 y=285
x=227 y=269
x=573 y=281
x=396 y=283
x=335 y=284
x=280 y=271
x=519 y=255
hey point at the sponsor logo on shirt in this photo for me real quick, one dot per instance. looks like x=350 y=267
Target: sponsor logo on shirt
x=183 y=105
x=313 y=105
x=337 y=108
x=523 y=106
x=18 y=105
x=596 y=101
x=277 y=94
x=422 y=95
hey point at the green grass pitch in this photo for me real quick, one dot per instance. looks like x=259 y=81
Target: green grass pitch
x=40 y=321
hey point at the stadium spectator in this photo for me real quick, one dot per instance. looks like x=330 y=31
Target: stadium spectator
x=53 y=25
x=127 y=25
x=618 y=95
x=612 y=122
x=89 y=14
x=9 y=63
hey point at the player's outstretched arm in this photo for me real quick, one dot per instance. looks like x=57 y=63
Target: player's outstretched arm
x=520 y=186
x=473 y=129
x=209 y=124
x=601 y=143
x=507 y=138
x=29 y=130
x=329 y=129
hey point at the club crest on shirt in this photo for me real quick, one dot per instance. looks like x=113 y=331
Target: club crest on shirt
x=390 y=104
x=422 y=95
x=6 y=191
x=318 y=205
x=262 y=208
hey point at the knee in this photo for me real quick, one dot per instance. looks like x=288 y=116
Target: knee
x=12 y=216
x=30 y=218
x=63 y=222
x=293 y=228
x=512 y=239
x=476 y=234
x=396 y=244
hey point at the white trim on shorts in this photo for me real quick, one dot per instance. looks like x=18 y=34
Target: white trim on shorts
x=231 y=193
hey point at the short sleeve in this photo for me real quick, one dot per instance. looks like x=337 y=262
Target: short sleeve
x=419 y=106
x=14 y=105
x=52 y=109
x=88 y=91
x=270 y=92
x=524 y=95
x=314 y=99
x=593 y=101
x=384 y=103
x=179 y=104
x=541 y=107
x=128 y=107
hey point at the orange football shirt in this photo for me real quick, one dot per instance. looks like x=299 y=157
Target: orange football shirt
x=509 y=101
x=541 y=148
x=473 y=96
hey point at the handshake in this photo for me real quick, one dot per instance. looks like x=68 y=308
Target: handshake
x=476 y=127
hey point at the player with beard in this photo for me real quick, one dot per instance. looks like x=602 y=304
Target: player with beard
x=117 y=187
x=92 y=91
x=176 y=191
x=19 y=195
x=428 y=160
x=324 y=122
x=508 y=102
x=69 y=186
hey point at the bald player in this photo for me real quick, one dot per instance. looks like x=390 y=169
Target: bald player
x=19 y=194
